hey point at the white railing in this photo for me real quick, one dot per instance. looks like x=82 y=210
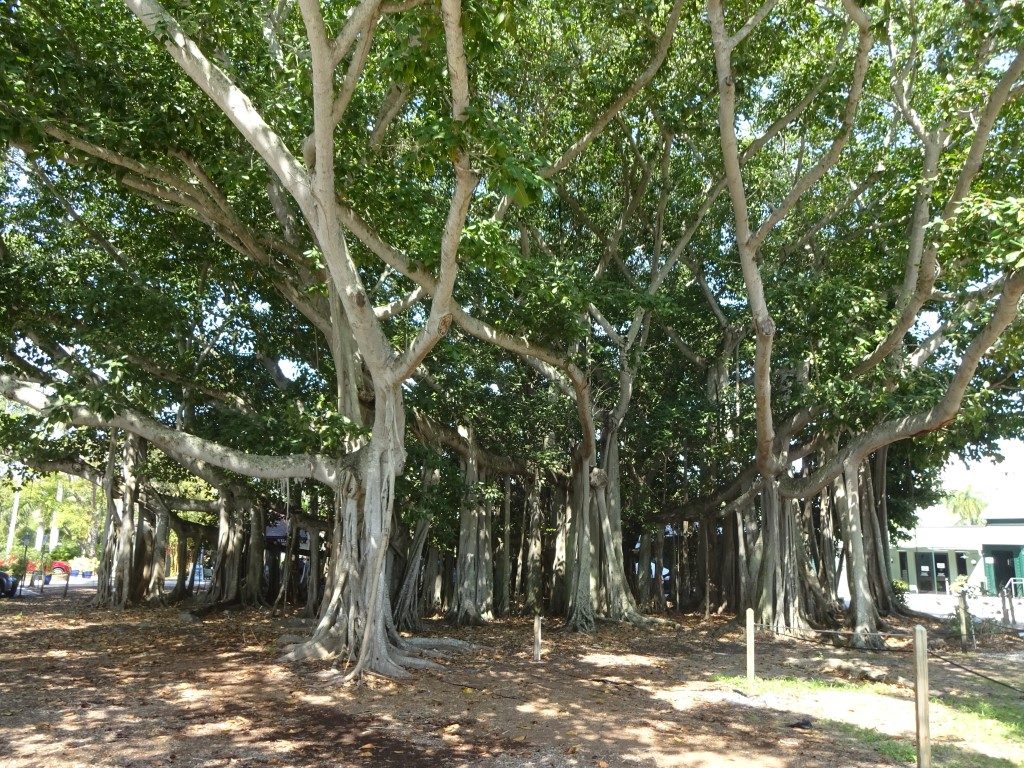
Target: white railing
x=1014 y=588
x=1006 y=596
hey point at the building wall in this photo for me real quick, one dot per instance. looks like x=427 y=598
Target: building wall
x=975 y=565
x=977 y=541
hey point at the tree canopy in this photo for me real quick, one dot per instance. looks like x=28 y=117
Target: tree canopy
x=673 y=270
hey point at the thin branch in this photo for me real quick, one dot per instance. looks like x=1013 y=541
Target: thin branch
x=752 y=22
x=660 y=52
x=929 y=260
x=401 y=304
x=392 y=107
x=607 y=327
x=353 y=72
x=440 y=316
x=359 y=20
x=235 y=105
x=698 y=360
x=831 y=157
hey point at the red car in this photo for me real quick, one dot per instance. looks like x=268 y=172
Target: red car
x=55 y=566
x=33 y=567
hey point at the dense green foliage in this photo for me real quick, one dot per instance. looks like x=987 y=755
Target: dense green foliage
x=153 y=264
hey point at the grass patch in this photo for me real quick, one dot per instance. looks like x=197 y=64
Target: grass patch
x=894 y=749
x=989 y=716
x=790 y=684
x=978 y=720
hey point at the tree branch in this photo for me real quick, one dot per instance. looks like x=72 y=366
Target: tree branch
x=310 y=466
x=660 y=52
x=235 y=105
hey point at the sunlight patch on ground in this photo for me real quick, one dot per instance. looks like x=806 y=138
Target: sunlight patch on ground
x=188 y=693
x=620 y=660
x=231 y=725
x=713 y=759
x=542 y=708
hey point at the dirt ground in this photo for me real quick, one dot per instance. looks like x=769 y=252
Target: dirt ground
x=80 y=687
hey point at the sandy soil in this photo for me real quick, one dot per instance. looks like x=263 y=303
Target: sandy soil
x=153 y=688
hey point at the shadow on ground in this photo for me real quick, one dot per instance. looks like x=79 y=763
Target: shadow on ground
x=145 y=687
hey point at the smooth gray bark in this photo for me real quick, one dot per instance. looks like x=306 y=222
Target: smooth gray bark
x=12 y=526
x=253 y=586
x=864 y=615
x=502 y=591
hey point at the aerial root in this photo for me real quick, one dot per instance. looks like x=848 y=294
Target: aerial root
x=439 y=643
x=308 y=649
x=867 y=641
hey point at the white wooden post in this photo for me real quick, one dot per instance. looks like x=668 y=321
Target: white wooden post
x=536 y=638
x=750 y=647
x=924 y=741
x=963 y=622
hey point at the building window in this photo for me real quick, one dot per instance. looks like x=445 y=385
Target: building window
x=961 y=563
x=941 y=572
x=925 y=572
x=904 y=568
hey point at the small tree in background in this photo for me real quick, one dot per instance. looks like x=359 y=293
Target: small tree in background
x=968 y=508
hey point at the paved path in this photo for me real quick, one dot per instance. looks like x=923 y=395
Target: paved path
x=943 y=606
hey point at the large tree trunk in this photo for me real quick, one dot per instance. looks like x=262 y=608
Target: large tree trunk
x=519 y=588
x=227 y=563
x=314 y=573
x=502 y=598
x=658 y=554
x=534 y=588
x=830 y=556
x=704 y=556
x=745 y=566
x=474 y=595
x=111 y=524
x=617 y=599
x=158 y=574
x=877 y=572
x=643 y=578
x=862 y=605
x=433 y=583
x=355 y=616
x=182 y=556
x=779 y=597
x=559 y=585
x=580 y=607
x=407 y=606
x=882 y=586
x=447 y=582
x=142 y=541
x=728 y=578
x=123 y=567
x=252 y=587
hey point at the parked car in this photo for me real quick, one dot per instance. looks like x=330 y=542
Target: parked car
x=56 y=566
x=8 y=584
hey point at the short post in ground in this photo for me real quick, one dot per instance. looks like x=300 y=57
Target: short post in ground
x=750 y=647
x=963 y=621
x=536 y=638
x=924 y=741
